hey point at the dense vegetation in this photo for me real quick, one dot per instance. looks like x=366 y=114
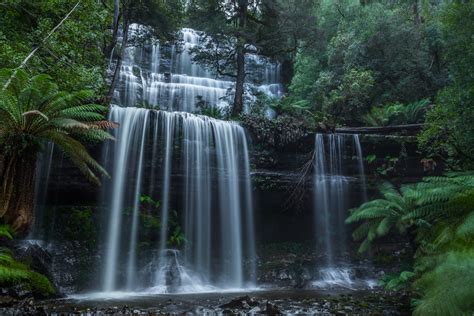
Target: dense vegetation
x=345 y=63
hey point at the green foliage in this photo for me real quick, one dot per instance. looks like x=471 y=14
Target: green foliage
x=145 y=199
x=15 y=273
x=211 y=110
x=33 y=112
x=397 y=114
x=367 y=54
x=439 y=211
x=80 y=226
x=350 y=99
x=163 y=18
x=177 y=237
x=381 y=216
x=397 y=282
x=449 y=131
x=72 y=56
x=448 y=289
x=370 y=158
x=150 y=220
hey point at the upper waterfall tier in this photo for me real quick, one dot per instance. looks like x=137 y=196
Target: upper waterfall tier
x=165 y=76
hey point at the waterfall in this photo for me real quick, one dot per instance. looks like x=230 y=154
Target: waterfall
x=330 y=194
x=360 y=160
x=153 y=149
x=43 y=173
x=216 y=212
x=127 y=163
x=165 y=77
x=331 y=187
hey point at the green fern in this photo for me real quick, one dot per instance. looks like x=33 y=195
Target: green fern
x=397 y=282
x=449 y=288
x=379 y=217
x=441 y=210
x=33 y=112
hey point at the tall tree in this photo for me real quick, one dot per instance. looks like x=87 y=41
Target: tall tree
x=234 y=29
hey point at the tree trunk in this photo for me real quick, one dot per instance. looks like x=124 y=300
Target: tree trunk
x=240 y=81
x=118 y=64
x=416 y=12
x=115 y=27
x=17 y=192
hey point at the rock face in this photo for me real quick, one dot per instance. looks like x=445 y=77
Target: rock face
x=283 y=208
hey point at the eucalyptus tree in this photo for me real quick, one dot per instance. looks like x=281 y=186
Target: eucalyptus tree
x=233 y=29
x=33 y=112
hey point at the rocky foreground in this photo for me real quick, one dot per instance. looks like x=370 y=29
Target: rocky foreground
x=303 y=302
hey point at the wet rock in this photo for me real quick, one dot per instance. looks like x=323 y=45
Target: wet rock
x=271 y=309
x=244 y=302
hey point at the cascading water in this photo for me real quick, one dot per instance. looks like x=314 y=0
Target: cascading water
x=210 y=155
x=43 y=172
x=331 y=201
x=217 y=206
x=165 y=77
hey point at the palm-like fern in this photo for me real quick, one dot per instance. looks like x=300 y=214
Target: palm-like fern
x=442 y=198
x=33 y=111
x=447 y=200
x=444 y=260
x=381 y=216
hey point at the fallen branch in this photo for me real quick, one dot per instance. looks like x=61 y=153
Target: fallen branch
x=380 y=129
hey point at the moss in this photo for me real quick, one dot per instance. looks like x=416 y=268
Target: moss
x=80 y=226
x=14 y=273
x=40 y=285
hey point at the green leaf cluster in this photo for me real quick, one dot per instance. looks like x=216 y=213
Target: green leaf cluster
x=437 y=214
x=33 y=112
x=15 y=273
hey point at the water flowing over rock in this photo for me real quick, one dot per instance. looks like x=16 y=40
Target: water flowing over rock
x=217 y=202
x=164 y=76
x=210 y=155
x=331 y=192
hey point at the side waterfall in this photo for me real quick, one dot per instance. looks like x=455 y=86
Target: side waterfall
x=212 y=156
x=331 y=189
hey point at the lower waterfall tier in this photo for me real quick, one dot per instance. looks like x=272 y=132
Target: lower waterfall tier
x=215 y=230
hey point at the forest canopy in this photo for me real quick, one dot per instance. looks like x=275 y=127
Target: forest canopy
x=275 y=72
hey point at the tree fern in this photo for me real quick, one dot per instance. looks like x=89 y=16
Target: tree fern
x=449 y=288
x=441 y=210
x=34 y=106
x=380 y=216
x=32 y=113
